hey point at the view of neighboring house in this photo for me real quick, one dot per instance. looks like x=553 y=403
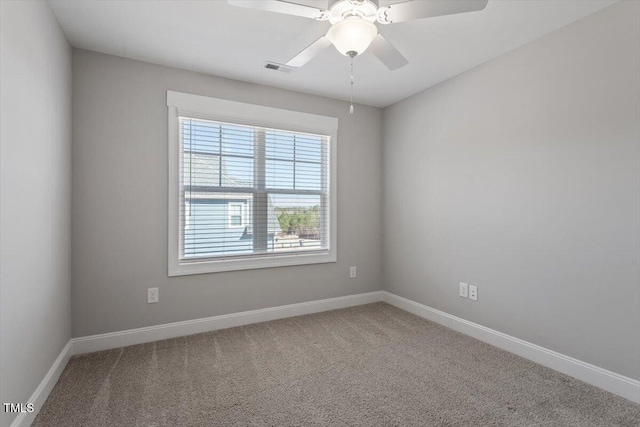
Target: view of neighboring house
x=218 y=190
x=219 y=223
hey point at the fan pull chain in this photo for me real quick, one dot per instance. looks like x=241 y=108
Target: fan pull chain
x=351 y=107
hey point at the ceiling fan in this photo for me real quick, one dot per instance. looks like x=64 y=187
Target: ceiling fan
x=353 y=23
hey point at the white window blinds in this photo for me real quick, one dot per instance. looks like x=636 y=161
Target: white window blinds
x=251 y=191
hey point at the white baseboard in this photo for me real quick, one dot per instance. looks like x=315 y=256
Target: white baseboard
x=590 y=374
x=178 y=329
x=44 y=388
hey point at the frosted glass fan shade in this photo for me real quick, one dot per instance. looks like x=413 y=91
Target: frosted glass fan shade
x=352 y=35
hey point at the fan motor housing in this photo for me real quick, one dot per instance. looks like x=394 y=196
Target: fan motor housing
x=342 y=9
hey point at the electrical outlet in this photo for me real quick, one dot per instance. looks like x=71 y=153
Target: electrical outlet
x=152 y=295
x=473 y=292
x=464 y=290
x=352 y=272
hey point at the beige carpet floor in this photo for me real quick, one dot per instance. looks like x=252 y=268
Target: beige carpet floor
x=372 y=365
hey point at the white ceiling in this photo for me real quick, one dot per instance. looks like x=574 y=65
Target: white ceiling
x=215 y=38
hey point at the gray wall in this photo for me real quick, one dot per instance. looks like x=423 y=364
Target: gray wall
x=522 y=176
x=119 y=213
x=35 y=192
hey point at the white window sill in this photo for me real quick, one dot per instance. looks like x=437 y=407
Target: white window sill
x=209 y=266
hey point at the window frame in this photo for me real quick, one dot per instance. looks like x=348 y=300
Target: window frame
x=215 y=109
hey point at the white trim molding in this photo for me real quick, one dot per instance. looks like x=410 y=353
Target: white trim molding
x=626 y=387
x=190 y=327
x=251 y=114
x=41 y=393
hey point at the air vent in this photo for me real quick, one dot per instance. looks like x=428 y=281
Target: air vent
x=278 y=67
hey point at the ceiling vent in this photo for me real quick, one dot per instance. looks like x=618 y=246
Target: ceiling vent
x=278 y=67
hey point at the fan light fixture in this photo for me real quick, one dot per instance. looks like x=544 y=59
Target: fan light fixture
x=353 y=24
x=352 y=36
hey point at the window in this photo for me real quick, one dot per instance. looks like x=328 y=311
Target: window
x=250 y=186
x=236 y=214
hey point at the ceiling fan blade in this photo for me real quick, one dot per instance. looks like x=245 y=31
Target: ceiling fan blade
x=282 y=6
x=310 y=52
x=389 y=55
x=419 y=9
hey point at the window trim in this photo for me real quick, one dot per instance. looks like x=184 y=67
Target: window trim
x=215 y=109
